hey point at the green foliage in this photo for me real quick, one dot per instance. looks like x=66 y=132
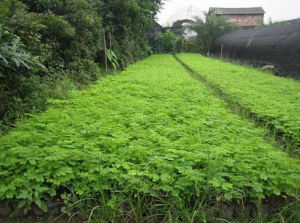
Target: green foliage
x=72 y=28
x=83 y=72
x=18 y=83
x=67 y=37
x=112 y=58
x=168 y=43
x=191 y=46
x=128 y=23
x=149 y=142
x=209 y=28
x=274 y=100
x=13 y=57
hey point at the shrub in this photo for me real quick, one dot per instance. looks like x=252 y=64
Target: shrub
x=167 y=43
x=20 y=89
x=191 y=46
x=83 y=72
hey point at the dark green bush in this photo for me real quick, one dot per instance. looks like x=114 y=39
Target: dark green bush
x=179 y=43
x=191 y=46
x=168 y=43
x=83 y=72
x=20 y=89
x=127 y=22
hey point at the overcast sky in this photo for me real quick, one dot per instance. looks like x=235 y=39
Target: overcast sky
x=278 y=10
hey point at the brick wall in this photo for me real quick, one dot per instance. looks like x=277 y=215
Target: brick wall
x=246 y=20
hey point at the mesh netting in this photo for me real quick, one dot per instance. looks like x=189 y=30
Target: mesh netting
x=278 y=45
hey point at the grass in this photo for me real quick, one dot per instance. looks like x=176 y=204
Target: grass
x=149 y=145
x=273 y=100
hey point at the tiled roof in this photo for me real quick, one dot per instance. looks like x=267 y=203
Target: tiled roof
x=237 y=11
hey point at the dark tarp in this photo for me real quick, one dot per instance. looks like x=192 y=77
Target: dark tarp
x=277 y=45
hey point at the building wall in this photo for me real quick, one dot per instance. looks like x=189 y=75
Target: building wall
x=246 y=20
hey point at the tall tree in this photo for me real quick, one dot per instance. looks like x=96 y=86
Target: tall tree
x=208 y=28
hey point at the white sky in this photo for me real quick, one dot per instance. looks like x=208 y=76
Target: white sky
x=278 y=10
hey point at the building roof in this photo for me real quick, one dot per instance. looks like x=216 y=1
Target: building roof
x=238 y=11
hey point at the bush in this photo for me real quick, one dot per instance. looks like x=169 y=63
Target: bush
x=83 y=72
x=168 y=43
x=20 y=89
x=191 y=46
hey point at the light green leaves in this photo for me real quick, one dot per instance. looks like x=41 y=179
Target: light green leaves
x=271 y=99
x=150 y=130
x=112 y=58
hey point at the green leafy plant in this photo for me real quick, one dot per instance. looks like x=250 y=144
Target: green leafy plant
x=112 y=58
x=13 y=56
x=151 y=144
x=19 y=85
x=265 y=97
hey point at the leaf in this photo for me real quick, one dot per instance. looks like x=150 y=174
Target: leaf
x=22 y=203
x=112 y=58
x=17 y=62
x=42 y=205
x=227 y=186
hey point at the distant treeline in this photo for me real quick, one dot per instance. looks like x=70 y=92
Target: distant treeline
x=50 y=46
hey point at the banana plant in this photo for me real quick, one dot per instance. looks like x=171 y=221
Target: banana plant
x=113 y=59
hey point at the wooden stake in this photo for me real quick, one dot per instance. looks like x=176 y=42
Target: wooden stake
x=222 y=50
x=105 y=53
x=110 y=44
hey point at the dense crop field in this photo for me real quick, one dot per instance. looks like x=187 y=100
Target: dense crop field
x=274 y=100
x=151 y=142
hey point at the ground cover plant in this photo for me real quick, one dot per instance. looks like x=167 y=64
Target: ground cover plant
x=150 y=144
x=273 y=99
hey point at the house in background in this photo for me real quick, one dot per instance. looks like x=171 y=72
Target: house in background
x=244 y=17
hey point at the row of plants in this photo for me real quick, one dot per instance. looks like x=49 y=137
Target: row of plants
x=50 y=47
x=149 y=145
x=270 y=99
